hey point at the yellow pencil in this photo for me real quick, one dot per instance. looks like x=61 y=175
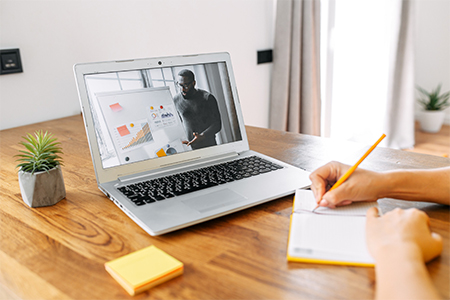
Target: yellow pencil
x=353 y=168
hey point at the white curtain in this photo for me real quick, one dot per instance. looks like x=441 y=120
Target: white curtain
x=373 y=72
x=295 y=86
x=400 y=104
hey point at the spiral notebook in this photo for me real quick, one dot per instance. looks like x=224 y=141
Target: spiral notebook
x=328 y=236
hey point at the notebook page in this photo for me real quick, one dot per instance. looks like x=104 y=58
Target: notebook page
x=334 y=238
x=305 y=201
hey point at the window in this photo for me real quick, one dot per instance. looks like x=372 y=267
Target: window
x=160 y=77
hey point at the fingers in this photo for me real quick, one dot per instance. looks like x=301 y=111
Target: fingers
x=438 y=244
x=372 y=213
x=371 y=228
x=345 y=202
x=323 y=176
x=362 y=185
x=433 y=247
x=330 y=199
x=193 y=140
x=318 y=191
x=401 y=230
x=343 y=195
x=436 y=237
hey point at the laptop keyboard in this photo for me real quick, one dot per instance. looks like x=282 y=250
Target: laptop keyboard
x=159 y=189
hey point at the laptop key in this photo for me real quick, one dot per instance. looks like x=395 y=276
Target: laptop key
x=159 y=197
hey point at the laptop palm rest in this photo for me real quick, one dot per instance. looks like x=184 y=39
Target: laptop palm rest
x=214 y=200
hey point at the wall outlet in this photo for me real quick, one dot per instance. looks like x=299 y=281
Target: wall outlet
x=10 y=61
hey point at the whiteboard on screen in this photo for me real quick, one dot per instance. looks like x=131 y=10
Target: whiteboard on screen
x=142 y=123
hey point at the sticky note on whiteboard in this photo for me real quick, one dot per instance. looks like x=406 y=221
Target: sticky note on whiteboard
x=161 y=153
x=123 y=130
x=116 y=107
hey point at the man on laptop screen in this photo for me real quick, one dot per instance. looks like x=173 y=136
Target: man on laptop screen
x=136 y=115
x=199 y=112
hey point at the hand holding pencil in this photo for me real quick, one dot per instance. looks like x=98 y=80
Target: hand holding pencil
x=358 y=188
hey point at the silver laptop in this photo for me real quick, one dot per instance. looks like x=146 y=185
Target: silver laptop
x=168 y=141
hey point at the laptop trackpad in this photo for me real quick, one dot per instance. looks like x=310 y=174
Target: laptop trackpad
x=214 y=200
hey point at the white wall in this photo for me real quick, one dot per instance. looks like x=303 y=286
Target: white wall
x=54 y=35
x=432 y=64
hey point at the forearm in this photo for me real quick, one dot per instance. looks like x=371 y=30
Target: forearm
x=212 y=129
x=403 y=275
x=417 y=185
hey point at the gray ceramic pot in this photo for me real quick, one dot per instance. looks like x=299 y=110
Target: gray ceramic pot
x=42 y=188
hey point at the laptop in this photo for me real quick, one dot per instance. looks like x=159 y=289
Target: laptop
x=168 y=141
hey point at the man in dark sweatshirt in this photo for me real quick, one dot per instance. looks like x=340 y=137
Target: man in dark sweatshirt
x=199 y=112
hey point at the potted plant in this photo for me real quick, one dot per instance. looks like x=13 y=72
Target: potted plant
x=433 y=103
x=40 y=177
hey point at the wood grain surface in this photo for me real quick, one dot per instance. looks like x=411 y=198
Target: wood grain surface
x=58 y=252
x=437 y=143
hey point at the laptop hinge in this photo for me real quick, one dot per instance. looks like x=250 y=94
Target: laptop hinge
x=172 y=166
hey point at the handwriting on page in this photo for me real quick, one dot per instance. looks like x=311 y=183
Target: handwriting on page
x=305 y=202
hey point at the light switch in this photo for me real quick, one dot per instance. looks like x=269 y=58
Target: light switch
x=265 y=56
x=10 y=61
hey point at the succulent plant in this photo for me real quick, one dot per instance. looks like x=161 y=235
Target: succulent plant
x=433 y=100
x=42 y=153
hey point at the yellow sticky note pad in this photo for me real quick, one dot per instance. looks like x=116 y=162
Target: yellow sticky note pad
x=143 y=269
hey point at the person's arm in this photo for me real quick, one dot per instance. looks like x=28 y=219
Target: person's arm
x=196 y=137
x=401 y=243
x=432 y=185
x=214 y=116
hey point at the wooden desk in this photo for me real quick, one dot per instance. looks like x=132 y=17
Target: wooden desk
x=58 y=252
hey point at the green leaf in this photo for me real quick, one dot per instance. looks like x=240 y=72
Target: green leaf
x=41 y=153
x=433 y=100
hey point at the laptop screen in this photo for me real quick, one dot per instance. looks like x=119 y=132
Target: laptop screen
x=149 y=113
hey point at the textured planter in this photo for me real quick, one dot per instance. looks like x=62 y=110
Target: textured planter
x=42 y=188
x=431 y=120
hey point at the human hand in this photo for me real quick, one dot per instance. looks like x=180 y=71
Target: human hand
x=405 y=232
x=197 y=137
x=362 y=185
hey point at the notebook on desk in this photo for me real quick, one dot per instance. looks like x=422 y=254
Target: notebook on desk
x=328 y=236
x=168 y=141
